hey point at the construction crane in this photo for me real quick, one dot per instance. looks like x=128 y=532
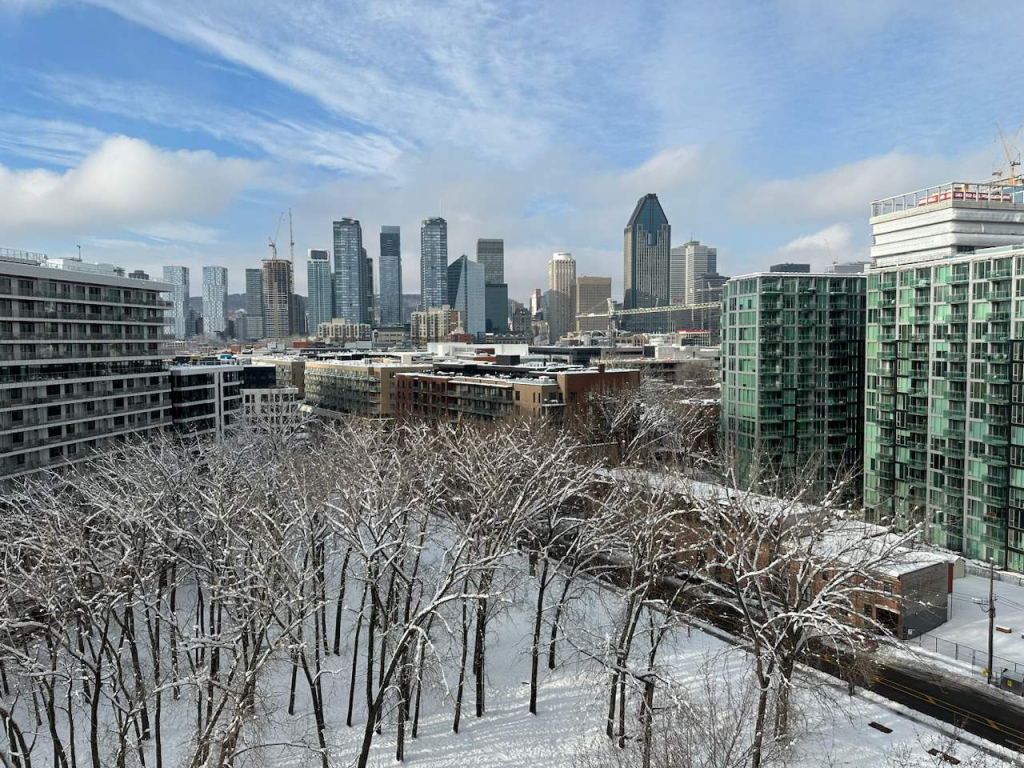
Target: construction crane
x=1012 y=153
x=291 y=238
x=273 y=240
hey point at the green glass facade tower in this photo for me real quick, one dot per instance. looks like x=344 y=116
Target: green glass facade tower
x=944 y=440
x=793 y=375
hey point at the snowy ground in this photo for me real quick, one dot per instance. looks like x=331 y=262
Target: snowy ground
x=572 y=706
x=967 y=627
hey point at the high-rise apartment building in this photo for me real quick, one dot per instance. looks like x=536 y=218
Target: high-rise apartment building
x=944 y=434
x=215 y=300
x=368 y=292
x=491 y=253
x=278 y=291
x=647 y=242
x=792 y=376
x=433 y=263
x=177 y=318
x=349 y=271
x=81 y=363
x=561 y=314
x=390 y=271
x=253 y=304
x=320 y=288
x=299 y=315
x=690 y=264
x=467 y=294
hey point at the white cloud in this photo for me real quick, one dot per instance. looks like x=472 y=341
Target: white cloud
x=833 y=244
x=125 y=182
x=849 y=189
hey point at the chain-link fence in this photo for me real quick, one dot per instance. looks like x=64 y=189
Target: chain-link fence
x=977 y=658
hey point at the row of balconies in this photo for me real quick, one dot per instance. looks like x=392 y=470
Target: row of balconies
x=107 y=296
x=31 y=337
x=28 y=353
x=18 y=442
x=98 y=392
x=140 y=317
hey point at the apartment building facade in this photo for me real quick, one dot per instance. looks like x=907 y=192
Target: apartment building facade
x=793 y=375
x=81 y=360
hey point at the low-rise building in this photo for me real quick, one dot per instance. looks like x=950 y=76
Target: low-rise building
x=288 y=371
x=432 y=325
x=340 y=330
x=486 y=392
x=205 y=399
x=353 y=387
x=263 y=401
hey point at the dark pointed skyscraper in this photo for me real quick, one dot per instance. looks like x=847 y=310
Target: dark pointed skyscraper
x=646 y=255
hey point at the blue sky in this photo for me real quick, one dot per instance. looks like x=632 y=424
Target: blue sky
x=155 y=133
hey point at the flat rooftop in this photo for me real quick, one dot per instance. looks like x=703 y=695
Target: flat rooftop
x=968 y=193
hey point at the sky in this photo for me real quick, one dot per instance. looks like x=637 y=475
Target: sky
x=152 y=132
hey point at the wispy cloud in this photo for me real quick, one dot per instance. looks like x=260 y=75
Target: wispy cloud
x=54 y=142
x=308 y=142
x=179 y=231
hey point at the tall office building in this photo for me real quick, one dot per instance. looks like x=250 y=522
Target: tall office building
x=944 y=434
x=215 y=300
x=433 y=263
x=253 y=304
x=647 y=242
x=536 y=302
x=86 y=366
x=319 y=287
x=390 y=270
x=369 y=301
x=592 y=294
x=792 y=375
x=496 y=307
x=491 y=253
x=278 y=291
x=690 y=264
x=467 y=294
x=177 y=319
x=561 y=314
x=300 y=316
x=349 y=271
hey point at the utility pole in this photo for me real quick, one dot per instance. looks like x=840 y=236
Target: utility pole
x=991 y=616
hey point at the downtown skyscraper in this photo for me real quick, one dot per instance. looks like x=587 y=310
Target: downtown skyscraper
x=561 y=295
x=647 y=242
x=320 y=304
x=390 y=270
x=467 y=294
x=433 y=263
x=176 y=321
x=253 y=304
x=278 y=298
x=349 y=272
x=215 y=300
x=490 y=254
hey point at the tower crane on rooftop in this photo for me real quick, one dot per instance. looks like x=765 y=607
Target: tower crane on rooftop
x=273 y=240
x=1011 y=150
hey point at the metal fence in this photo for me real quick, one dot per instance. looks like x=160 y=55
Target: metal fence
x=978 y=659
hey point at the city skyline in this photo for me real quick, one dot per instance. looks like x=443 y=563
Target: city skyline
x=769 y=168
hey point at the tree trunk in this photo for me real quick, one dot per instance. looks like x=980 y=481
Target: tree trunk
x=355 y=657
x=462 y=667
x=316 y=694
x=556 y=620
x=340 y=606
x=140 y=686
x=480 y=644
x=419 y=675
x=538 y=620
x=648 y=720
